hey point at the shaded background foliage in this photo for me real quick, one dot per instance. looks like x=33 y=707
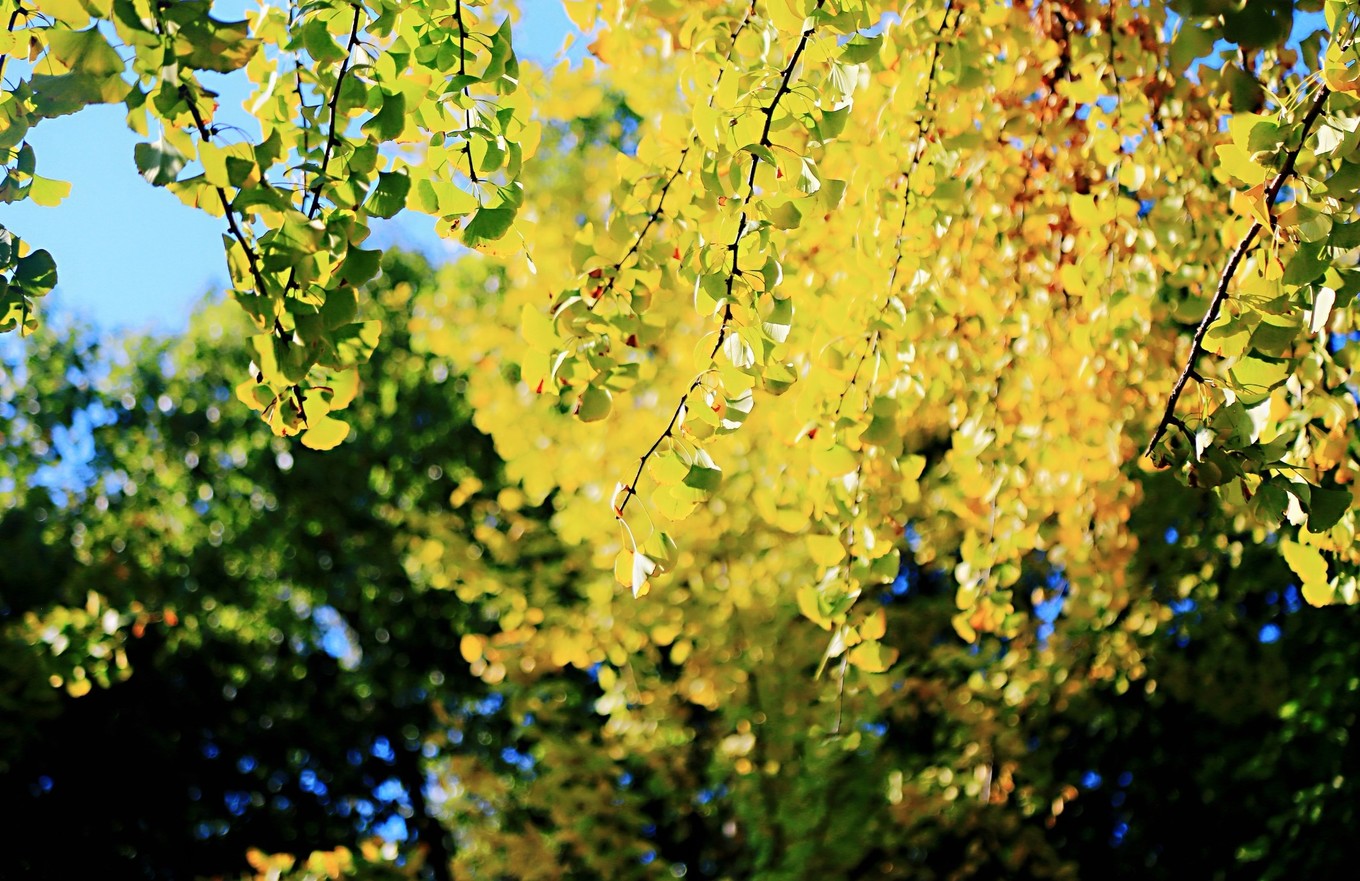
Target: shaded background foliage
x=283 y=682
x=217 y=650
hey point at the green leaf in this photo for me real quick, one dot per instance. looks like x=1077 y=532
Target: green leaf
x=205 y=43
x=596 y=402
x=1325 y=508
x=1254 y=378
x=1258 y=24
x=389 y=195
x=390 y=120
x=861 y=49
x=48 y=192
x=159 y=162
x=55 y=96
x=703 y=474
x=488 y=225
x=502 y=62
x=342 y=304
x=317 y=40
x=359 y=267
x=785 y=215
x=36 y=274
x=84 y=52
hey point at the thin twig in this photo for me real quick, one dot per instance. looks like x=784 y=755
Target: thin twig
x=462 y=71
x=333 y=136
x=642 y=234
x=1238 y=255
x=679 y=167
x=918 y=149
x=237 y=233
x=630 y=490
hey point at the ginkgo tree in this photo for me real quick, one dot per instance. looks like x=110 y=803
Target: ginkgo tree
x=860 y=263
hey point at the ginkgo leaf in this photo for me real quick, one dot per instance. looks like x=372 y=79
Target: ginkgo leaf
x=872 y=656
x=86 y=52
x=48 y=192
x=825 y=550
x=1322 y=309
x=389 y=194
x=834 y=461
x=158 y=162
x=1307 y=563
x=667 y=468
x=596 y=402
x=325 y=433
x=488 y=225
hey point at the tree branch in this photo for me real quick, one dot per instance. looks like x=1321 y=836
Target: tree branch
x=1235 y=261
x=918 y=149
x=630 y=490
x=769 y=111
x=679 y=167
x=462 y=71
x=333 y=135
x=237 y=233
x=642 y=233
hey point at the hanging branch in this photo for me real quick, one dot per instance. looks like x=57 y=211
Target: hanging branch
x=642 y=233
x=205 y=132
x=769 y=111
x=1221 y=292
x=630 y=489
x=918 y=149
x=679 y=167
x=303 y=106
x=462 y=71
x=333 y=135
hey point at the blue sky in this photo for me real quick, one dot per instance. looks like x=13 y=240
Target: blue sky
x=133 y=257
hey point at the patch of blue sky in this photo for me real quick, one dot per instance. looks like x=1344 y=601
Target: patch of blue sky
x=134 y=257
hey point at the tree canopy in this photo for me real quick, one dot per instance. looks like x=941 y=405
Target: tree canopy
x=856 y=439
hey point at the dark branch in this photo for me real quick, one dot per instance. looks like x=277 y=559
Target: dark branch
x=1235 y=261
x=237 y=233
x=918 y=149
x=333 y=136
x=679 y=167
x=769 y=110
x=462 y=71
x=630 y=490
x=13 y=20
x=642 y=233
